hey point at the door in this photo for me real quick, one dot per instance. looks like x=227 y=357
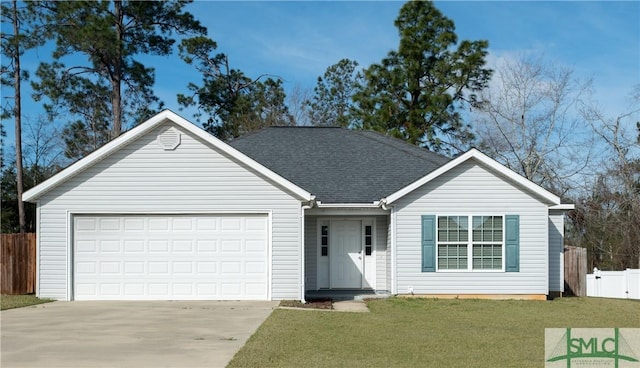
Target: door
x=346 y=255
x=170 y=257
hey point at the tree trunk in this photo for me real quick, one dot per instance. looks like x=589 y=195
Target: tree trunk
x=18 y=118
x=116 y=80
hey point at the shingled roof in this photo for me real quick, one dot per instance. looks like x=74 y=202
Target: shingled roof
x=339 y=165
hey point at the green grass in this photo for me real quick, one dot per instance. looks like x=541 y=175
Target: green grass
x=19 y=301
x=403 y=332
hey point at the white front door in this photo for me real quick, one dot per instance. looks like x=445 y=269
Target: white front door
x=346 y=254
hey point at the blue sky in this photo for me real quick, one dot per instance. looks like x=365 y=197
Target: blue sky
x=297 y=41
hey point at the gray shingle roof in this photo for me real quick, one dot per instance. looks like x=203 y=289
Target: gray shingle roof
x=339 y=165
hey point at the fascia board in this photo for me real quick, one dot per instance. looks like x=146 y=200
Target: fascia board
x=563 y=207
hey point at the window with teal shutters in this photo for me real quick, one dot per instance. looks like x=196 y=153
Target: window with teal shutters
x=428 y=243
x=512 y=243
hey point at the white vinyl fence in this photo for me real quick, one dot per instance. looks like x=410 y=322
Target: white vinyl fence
x=614 y=284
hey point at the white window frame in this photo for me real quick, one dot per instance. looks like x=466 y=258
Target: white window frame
x=470 y=242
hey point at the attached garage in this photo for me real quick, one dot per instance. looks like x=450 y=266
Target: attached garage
x=171 y=257
x=166 y=211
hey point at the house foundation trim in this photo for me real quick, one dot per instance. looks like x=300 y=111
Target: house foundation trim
x=477 y=296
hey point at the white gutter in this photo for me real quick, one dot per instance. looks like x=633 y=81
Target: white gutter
x=302 y=249
x=375 y=204
x=392 y=240
x=394 y=286
x=563 y=206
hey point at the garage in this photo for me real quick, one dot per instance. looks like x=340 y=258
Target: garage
x=171 y=257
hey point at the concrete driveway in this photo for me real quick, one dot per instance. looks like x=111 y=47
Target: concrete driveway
x=128 y=334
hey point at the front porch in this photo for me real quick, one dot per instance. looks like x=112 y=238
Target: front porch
x=345 y=294
x=346 y=255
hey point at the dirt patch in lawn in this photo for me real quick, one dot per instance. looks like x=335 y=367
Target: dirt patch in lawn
x=320 y=303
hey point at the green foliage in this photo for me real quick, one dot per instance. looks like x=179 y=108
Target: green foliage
x=416 y=92
x=82 y=137
x=33 y=175
x=332 y=101
x=111 y=88
x=13 y=46
x=233 y=103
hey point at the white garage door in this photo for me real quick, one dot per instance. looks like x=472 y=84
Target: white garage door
x=181 y=257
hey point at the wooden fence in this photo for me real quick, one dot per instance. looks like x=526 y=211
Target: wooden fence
x=575 y=271
x=18 y=263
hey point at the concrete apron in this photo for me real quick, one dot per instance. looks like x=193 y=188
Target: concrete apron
x=129 y=334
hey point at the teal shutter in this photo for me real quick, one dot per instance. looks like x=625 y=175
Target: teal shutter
x=428 y=243
x=512 y=245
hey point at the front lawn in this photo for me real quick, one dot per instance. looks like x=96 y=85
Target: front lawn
x=426 y=333
x=19 y=301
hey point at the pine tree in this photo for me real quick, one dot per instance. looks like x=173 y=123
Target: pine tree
x=416 y=92
x=112 y=88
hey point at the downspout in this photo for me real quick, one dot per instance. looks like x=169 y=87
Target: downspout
x=302 y=250
x=392 y=240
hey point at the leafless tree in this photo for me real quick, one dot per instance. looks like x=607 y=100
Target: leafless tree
x=296 y=102
x=43 y=149
x=607 y=219
x=529 y=122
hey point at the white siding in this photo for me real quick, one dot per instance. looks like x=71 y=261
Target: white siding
x=556 y=250
x=143 y=178
x=470 y=189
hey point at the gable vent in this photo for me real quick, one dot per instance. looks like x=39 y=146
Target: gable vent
x=169 y=139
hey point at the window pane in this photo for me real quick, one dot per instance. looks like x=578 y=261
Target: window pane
x=464 y=222
x=464 y=235
x=325 y=230
x=367 y=230
x=325 y=240
x=477 y=251
x=442 y=236
x=487 y=256
x=367 y=240
x=477 y=235
x=442 y=222
x=497 y=235
x=452 y=256
x=453 y=235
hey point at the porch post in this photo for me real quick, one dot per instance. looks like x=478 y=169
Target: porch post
x=303 y=244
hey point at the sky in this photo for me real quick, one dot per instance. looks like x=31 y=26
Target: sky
x=298 y=40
